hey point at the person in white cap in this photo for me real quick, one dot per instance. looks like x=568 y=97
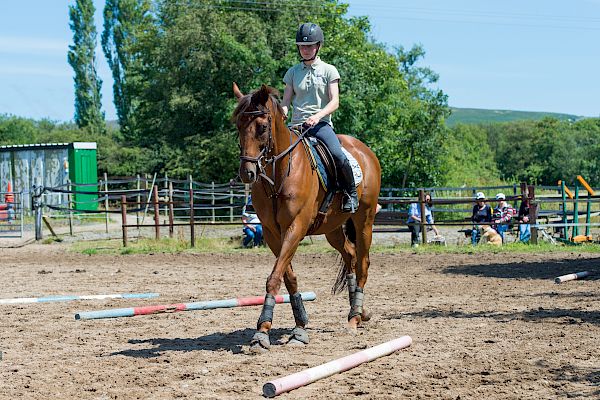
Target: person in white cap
x=482 y=214
x=503 y=213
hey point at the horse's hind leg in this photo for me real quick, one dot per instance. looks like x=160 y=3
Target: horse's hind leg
x=347 y=249
x=364 y=230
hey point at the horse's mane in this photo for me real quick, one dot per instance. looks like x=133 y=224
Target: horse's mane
x=246 y=102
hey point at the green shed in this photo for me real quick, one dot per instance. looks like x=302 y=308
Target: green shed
x=84 y=171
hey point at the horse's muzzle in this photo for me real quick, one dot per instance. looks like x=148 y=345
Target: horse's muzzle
x=248 y=172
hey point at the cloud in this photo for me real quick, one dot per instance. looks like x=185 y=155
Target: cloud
x=32 y=45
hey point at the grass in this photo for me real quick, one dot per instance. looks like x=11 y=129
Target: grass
x=228 y=246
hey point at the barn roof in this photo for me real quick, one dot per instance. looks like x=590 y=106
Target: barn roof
x=43 y=146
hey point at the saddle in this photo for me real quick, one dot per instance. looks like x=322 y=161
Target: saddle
x=323 y=164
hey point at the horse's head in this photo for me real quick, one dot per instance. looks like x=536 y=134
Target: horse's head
x=254 y=118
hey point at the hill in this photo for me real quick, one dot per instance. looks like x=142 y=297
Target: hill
x=482 y=116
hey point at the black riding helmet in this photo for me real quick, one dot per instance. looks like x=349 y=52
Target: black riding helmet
x=309 y=33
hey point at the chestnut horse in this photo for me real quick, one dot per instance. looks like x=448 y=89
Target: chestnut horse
x=286 y=195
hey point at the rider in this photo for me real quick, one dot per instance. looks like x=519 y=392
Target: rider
x=312 y=86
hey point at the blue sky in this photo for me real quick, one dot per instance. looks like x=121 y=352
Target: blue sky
x=535 y=55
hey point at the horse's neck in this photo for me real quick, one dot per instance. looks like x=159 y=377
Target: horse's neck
x=283 y=138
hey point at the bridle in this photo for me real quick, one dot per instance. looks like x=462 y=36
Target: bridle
x=262 y=160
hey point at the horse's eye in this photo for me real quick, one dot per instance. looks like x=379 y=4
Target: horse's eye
x=261 y=129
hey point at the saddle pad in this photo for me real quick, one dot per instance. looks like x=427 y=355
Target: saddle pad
x=356 y=170
x=321 y=170
x=317 y=164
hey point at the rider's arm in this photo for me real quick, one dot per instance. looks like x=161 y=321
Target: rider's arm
x=334 y=103
x=287 y=98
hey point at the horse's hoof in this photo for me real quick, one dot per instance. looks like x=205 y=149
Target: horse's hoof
x=299 y=337
x=353 y=324
x=366 y=315
x=260 y=342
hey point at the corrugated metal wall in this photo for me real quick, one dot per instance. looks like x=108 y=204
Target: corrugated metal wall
x=25 y=168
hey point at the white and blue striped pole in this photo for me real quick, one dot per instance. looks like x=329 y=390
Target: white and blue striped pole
x=50 y=299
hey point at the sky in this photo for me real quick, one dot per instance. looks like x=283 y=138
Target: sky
x=534 y=55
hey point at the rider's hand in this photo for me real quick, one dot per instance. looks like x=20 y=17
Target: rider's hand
x=312 y=121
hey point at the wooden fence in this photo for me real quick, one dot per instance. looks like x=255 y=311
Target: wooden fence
x=190 y=203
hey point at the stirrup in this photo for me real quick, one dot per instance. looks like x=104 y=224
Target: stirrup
x=349 y=203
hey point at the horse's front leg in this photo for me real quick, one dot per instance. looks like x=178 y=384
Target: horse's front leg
x=299 y=335
x=289 y=242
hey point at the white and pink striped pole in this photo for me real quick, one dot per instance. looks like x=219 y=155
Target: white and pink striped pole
x=308 y=376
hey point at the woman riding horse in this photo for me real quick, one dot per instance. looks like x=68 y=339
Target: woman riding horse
x=287 y=194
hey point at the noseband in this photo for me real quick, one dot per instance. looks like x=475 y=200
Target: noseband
x=258 y=160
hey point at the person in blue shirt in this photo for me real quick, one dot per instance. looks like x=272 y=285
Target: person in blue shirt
x=481 y=215
x=414 y=220
x=252 y=227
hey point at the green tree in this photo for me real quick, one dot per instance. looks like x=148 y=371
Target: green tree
x=82 y=58
x=469 y=160
x=195 y=49
x=124 y=22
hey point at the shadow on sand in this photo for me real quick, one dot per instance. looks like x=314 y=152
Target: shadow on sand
x=548 y=269
x=233 y=342
x=562 y=316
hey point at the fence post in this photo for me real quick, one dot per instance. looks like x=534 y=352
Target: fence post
x=231 y=204
x=565 y=231
x=37 y=206
x=70 y=206
x=168 y=198
x=423 y=219
x=124 y=218
x=156 y=213
x=212 y=202
x=171 y=216
x=192 y=233
x=533 y=213
x=576 y=213
x=106 y=200
x=138 y=187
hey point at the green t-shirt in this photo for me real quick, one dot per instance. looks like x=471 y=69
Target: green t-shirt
x=311 y=88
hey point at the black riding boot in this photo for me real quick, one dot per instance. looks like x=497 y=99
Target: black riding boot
x=350 y=200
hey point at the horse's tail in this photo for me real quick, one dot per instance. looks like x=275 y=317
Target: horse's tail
x=340 y=282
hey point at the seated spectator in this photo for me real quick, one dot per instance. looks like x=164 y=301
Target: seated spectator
x=481 y=215
x=503 y=213
x=523 y=218
x=414 y=220
x=252 y=227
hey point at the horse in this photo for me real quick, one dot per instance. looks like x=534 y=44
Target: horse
x=286 y=195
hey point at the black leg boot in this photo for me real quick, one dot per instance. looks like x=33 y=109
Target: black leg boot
x=350 y=200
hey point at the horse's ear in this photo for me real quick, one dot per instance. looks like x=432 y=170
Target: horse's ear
x=262 y=95
x=237 y=92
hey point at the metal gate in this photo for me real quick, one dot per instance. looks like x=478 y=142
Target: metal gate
x=11 y=214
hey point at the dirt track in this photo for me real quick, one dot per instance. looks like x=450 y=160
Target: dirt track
x=484 y=327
